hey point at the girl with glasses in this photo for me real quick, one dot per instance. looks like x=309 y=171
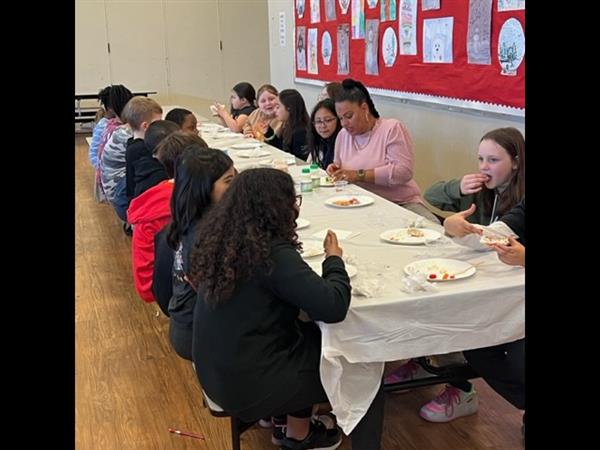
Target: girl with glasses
x=324 y=128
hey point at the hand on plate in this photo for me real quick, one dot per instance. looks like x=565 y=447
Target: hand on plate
x=331 y=246
x=457 y=225
x=472 y=183
x=512 y=254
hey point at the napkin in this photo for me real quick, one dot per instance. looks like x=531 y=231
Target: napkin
x=416 y=283
x=366 y=288
x=341 y=234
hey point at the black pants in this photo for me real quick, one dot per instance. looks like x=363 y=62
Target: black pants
x=181 y=339
x=308 y=390
x=503 y=368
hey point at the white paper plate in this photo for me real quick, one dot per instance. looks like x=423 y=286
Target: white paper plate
x=256 y=153
x=441 y=269
x=402 y=236
x=301 y=223
x=223 y=135
x=245 y=146
x=310 y=249
x=343 y=201
x=316 y=266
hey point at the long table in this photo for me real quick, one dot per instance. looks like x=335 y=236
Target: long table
x=385 y=323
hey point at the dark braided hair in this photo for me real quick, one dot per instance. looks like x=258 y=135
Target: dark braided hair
x=356 y=92
x=118 y=98
x=234 y=238
x=104 y=97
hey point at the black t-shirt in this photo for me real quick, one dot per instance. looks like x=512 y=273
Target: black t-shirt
x=245 y=110
x=136 y=148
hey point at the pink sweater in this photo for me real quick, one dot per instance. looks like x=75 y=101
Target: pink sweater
x=387 y=148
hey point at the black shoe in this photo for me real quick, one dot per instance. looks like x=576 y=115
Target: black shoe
x=319 y=438
x=127 y=229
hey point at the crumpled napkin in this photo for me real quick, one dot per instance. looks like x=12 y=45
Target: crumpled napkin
x=416 y=283
x=366 y=287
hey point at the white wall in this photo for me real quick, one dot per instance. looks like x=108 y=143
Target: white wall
x=172 y=47
x=445 y=142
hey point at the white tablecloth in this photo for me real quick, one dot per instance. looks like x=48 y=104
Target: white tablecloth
x=483 y=310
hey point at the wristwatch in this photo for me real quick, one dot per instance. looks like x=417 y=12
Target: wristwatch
x=360 y=174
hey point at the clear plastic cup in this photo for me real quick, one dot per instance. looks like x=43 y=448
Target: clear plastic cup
x=340 y=185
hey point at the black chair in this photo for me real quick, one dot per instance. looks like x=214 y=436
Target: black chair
x=238 y=426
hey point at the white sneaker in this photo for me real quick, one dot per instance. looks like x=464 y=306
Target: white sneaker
x=451 y=404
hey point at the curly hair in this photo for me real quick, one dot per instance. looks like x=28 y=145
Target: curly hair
x=234 y=238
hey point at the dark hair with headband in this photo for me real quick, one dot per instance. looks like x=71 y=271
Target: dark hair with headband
x=356 y=92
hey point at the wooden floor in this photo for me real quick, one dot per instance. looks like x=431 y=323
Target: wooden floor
x=131 y=387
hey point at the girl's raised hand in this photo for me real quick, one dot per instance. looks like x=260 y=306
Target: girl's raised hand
x=472 y=183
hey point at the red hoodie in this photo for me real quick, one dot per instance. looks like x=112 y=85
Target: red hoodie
x=149 y=212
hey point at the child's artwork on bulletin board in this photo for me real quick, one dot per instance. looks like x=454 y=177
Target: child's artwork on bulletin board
x=469 y=53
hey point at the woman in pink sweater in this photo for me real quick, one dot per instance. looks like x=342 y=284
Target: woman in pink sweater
x=373 y=152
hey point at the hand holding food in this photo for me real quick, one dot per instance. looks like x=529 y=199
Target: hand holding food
x=472 y=183
x=512 y=254
x=331 y=168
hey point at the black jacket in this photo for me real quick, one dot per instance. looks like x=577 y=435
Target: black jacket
x=515 y=219
x=250 y=348
x=297 y=145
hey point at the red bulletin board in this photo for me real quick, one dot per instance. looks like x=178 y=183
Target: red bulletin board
x=458 y=80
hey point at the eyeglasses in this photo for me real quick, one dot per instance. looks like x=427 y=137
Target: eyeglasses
x=325 y=121
x=299 y=200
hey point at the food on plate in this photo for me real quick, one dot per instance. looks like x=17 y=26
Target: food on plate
x=347 y=202
x=326 y=181
x=490 y=239
x=435 y=272
x=414 y=232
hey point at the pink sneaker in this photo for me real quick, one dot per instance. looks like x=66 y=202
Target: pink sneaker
x=406 y=372
x=451 y=404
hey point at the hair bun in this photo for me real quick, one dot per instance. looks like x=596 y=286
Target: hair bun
x=348 y=83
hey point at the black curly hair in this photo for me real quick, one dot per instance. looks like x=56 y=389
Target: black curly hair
x=234 y=238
